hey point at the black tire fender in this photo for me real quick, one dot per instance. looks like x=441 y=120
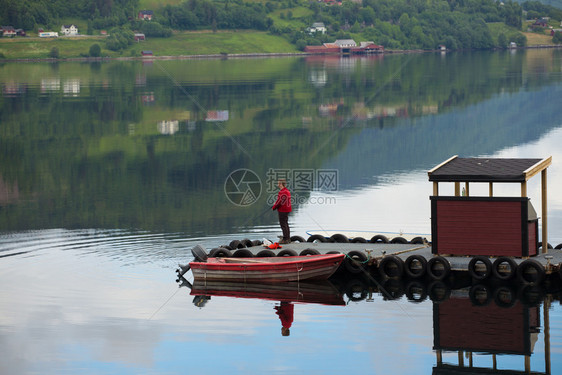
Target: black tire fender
x=297 y=239
x=379 y=238
x=339 y=238
x=318 y=237
x=530 y=272
x=266 y=253
x=220 y=252
x=474 y=267
x=287 y=253
x=401 y=240
x=391 y=266
x=247 y=242
x=358 y=240
x=310 y=252
x=438 y=268
x=417 y=240
x=234 y=244
x=199 y=253
x=354 y=261
x=243 y=253
x=415 y=266
x=499 y=266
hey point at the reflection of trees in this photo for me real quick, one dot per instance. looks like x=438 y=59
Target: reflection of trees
x=77 y=162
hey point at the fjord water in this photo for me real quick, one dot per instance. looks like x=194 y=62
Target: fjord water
x=110 y=172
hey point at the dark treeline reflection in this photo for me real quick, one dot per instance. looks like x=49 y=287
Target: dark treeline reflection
x=149 y=145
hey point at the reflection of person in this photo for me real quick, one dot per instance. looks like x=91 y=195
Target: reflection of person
x=285 y=312
x=283 y=207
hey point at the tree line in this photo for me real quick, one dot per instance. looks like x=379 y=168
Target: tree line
x=400 y=24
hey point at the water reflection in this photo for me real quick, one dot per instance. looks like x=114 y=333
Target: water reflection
x=470 y=321
x=126 y=145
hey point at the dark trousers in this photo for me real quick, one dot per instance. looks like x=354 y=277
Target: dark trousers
x=284 y=223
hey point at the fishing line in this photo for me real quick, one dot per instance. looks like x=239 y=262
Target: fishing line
x=164 y=304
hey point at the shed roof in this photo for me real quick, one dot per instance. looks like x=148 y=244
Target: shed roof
x=487 y=169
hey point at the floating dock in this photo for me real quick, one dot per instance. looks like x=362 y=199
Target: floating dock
x=408 y=260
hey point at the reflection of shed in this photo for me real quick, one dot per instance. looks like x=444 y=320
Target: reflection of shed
x=463 y=327
x=491 y=226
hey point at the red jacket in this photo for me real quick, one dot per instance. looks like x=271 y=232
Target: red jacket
x=283 y=203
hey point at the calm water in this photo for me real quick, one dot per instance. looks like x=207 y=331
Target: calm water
x=110 y=173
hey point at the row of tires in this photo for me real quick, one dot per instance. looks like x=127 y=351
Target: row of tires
x=336 y=238
x=415 y=266
x=416 y=291
x=480 y=268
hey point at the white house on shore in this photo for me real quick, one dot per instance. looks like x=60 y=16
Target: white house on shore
x=69 y=30
x=317 y=27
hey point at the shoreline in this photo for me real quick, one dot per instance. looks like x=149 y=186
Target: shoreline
x=248 y=55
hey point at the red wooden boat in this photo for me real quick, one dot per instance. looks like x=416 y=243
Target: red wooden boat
x=266 y=270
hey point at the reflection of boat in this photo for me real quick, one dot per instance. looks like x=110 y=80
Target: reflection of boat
x=322 y=292
x=271 y=269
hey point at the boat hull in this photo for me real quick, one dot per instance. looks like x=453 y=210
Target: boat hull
x=264 y=270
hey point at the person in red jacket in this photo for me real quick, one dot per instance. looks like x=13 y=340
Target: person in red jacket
x=283 y=207
x=285 y=312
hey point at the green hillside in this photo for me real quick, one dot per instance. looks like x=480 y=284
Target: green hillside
x=395 y=24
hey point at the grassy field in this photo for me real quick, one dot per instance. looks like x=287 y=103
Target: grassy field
x=534 y=39
x=184 y=43
x=155 y=4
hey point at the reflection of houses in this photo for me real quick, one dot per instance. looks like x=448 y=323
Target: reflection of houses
x=13 y=89
x=213 y=116
x=9 y=193
x=473 y=324
x=147 y=98
x=71 y=87
x=168 y=127
x=330 y=109
x=318 y=77
x=69 y=30
x=359 y=111
x=50 y=84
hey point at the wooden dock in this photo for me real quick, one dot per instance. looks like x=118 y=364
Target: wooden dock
x=412 y=260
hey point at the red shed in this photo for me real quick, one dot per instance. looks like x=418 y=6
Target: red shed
x=489 y=226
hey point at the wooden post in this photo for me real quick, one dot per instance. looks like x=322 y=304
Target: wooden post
x=524 y=189
x=494 y=362
x=491 y=189
x=439 y=355
x=528 y=364
x=461 y=359
x=435 y=188
x=466 y=189
x=457 y=189
x=544 y=221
